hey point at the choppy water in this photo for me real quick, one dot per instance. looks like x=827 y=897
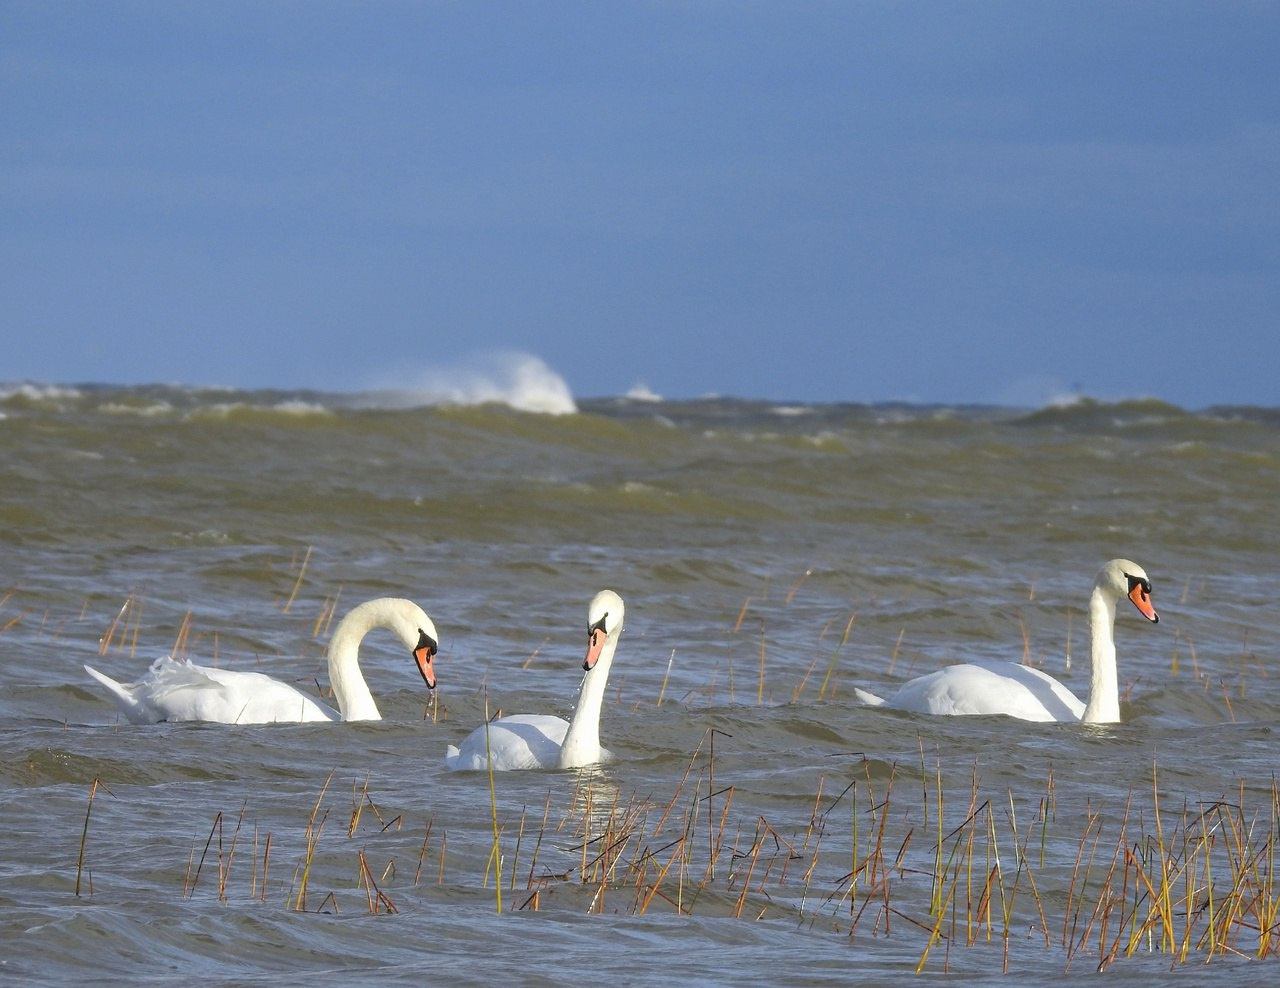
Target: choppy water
x=744 y=537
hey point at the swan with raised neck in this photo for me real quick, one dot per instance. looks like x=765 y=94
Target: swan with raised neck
x=532 y=741
x=1029 y=694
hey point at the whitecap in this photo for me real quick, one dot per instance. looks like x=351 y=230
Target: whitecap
x=642 y=392
x=39 y=392
x=298 y=407
x=142 y=411
x=519 y=380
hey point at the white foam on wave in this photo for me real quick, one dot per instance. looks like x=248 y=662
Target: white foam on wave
x=642 y=392
x=38 y=392
x=519 y=380
x=293 y=407
x=1038 y=391
x=298 y=407
x=140 y=411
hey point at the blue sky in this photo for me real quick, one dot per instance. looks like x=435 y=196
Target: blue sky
x=845 y=201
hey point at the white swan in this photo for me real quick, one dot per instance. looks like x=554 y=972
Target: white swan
x=180 y=690
x=542 y=741
x=1028 y=694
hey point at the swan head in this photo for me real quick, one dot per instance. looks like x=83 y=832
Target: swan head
x=425 y=651
x=411 y=625
x=604 y=624
x=1125 y=578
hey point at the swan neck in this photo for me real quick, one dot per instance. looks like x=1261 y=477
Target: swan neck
x=1104 y=689
x=355 y=702
x=581 y=744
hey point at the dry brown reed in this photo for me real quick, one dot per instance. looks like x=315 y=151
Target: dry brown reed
x=950 y=867
x=84 y=834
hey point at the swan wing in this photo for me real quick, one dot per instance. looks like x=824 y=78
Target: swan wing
x=521 y=741
x=976 y=690
x=180 y=690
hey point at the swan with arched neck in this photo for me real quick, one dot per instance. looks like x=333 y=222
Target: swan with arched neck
x=177 y=689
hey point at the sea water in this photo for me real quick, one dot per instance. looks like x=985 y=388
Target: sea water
x=757 y=821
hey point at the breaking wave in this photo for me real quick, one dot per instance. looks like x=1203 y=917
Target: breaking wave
x=518 y=380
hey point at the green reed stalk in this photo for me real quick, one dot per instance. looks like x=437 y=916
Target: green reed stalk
x=831 y=666
x=496 y=854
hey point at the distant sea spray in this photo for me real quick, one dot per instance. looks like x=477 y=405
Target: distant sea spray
x=520 y=380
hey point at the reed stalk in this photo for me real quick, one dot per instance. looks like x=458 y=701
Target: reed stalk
x=297 y=584
x=959 y=874
x=312 y=838
x=831 y=666
x=84 y=833
x=378 y=900
x=666 y=676
x=495 y=856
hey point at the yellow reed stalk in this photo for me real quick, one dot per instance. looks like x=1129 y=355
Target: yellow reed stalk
x=657 y=882
x=496 y=853
x=378 y=900
x=534 y=654
x=791 y=592
x=324 y=617
x=297 y=584
x=312 y=838
x=357 y=806
x=897 y=647
x=184 y=632
x=936 y=932
x=104 y=643
x=135 y=614
x=662 y=692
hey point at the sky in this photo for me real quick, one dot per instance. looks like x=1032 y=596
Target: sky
x=860 y=200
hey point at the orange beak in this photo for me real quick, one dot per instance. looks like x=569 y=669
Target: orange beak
x=1142 y=601
x=423 y=655
x=595 y=642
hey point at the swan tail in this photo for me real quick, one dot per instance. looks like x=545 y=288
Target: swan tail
x=129 y=704
x=869 y=699
x=451 y=755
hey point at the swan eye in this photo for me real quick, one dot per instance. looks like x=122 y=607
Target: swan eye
x=597 y=629
x=1135 y=582
x=427 y=642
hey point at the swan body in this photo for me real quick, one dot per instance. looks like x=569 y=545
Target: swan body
x=1029 y=694
x=178 y=689
x=524 y=741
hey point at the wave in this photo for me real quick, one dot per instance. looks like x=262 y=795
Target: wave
x=519 y=380
x=527 y=384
